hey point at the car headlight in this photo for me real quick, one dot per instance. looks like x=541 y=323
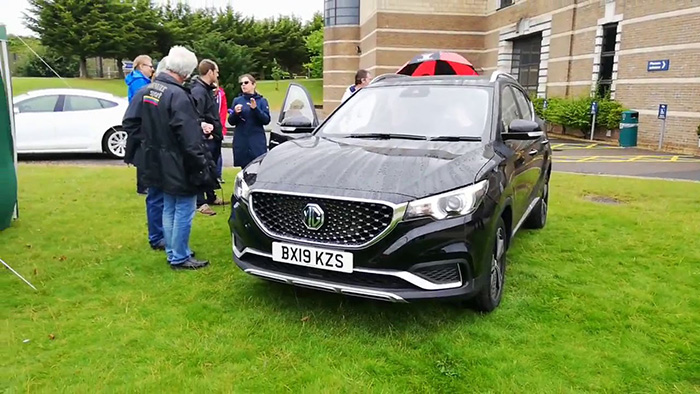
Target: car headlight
x=240 y=188
x=454 y=203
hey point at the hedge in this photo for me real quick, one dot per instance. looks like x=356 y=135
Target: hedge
x=574 y=113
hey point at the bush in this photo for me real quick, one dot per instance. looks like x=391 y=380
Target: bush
x=575 y=113
x=698 y=131
x=65 y=66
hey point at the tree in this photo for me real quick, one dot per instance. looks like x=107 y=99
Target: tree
x=137 y=24
x=233 y=60
x=278 y=73
x=66 y=66
x=83 y=28
x=314 y=45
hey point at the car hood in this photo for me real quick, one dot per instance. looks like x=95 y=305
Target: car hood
x=394 y=170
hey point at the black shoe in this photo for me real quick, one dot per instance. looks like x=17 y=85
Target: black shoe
x=190 y=264
x=159 y=246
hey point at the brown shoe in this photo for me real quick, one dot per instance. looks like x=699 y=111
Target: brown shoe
x=219 y=201
x=206 y=210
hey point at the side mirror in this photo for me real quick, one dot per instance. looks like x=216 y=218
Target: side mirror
x=521 y=129
x=297 y=124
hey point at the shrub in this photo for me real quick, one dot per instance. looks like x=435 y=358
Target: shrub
x=698 y=131
x=575 y=113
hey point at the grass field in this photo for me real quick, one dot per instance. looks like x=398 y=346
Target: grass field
x=605 y=299
x=268 y=89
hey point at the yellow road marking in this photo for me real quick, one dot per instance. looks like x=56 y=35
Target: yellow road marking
x=591 y=146
x=589 y=158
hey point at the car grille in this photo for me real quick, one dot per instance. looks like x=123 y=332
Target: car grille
x=439 y=274
x=361 y=279
x=346 y=223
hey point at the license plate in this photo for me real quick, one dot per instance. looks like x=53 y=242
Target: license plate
x=330 y=260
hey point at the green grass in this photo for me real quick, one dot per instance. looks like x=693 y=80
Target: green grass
x=269 y=89
x=604 y=299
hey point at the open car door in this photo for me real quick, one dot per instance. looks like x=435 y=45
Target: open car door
x=298 y=116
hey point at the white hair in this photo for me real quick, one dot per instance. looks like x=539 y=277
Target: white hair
x=181 y=61
x=161 y=65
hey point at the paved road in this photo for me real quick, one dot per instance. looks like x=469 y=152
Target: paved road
x=578 y=157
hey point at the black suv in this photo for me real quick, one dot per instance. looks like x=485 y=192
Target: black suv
x=411 y=189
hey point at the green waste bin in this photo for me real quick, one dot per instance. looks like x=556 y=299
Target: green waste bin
x=629 y=128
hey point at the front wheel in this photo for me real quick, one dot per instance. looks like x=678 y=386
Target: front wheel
x=490 y=295
x=114 y=143
x=538 y=216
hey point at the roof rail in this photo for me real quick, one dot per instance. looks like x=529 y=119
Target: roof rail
x=387 y=76
x=498 y=73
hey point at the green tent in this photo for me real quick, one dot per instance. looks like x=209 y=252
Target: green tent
x=8 y=167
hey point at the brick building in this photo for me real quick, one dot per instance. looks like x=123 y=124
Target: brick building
x=554 y=48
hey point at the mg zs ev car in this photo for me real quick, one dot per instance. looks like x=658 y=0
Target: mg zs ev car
x=412 y=189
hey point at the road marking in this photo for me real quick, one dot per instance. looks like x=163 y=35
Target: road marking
x=627 y=159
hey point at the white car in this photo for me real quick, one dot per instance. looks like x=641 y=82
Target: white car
x=70 y=121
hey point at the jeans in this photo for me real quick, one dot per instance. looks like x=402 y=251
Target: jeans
x=219 y=166
x=178 y=213
x=154 y=213
x=209 y=196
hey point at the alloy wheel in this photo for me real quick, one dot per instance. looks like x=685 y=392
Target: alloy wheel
x=116 y=143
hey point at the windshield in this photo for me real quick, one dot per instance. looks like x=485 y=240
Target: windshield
x=427 y=111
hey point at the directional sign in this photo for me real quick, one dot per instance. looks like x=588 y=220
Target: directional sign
x=594 y=108
x=663 y=109
x=658 y=65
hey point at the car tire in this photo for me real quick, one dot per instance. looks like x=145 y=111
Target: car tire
x=489 y=297
x=538 y=217
x=114 y=143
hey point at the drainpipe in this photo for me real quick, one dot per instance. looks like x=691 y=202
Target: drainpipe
x=571 y=48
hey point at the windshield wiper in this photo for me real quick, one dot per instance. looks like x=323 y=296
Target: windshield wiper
x=455 y=138
x=386 y=136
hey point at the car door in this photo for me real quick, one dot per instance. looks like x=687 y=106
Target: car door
x=517 y=158
x=35 y=121
x=77 y=124
x=297 y=118
x=533 y=149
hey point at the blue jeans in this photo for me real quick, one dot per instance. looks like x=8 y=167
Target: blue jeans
x=178 y=213
x=154 y=213
x=219 y=166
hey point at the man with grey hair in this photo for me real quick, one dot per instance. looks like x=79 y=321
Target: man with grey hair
x=177 y=164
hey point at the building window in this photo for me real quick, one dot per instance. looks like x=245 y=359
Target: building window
x=607 y=58
x=506 y=3
x=341 y=12
x=526 y=61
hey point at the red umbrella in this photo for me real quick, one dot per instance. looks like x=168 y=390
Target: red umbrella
x=438 y=63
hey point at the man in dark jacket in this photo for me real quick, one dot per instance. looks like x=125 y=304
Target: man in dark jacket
x=175 y=160
x=203 y=89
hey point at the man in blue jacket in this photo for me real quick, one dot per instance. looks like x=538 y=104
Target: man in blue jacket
x=138 y=78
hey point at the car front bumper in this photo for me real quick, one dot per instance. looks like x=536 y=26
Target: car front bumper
x=416 y=260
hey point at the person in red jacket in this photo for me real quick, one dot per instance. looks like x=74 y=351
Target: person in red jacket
x=223 y=113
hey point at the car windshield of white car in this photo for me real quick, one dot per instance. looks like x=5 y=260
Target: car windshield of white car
x=450 y=113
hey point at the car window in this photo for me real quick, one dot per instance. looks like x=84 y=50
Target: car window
x=81 y=103
x=38 y=104
x=523 y=104
x=422 y=110
x=107 y=103
x=297 y=107
x=509 y=107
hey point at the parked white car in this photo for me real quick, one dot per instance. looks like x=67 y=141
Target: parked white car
x=70 y=121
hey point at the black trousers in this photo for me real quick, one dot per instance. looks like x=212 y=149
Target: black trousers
x=209 y=196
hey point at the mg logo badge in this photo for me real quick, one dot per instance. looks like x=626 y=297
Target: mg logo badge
x=313 y=216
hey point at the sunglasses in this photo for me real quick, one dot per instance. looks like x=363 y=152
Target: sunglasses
x=245 y=83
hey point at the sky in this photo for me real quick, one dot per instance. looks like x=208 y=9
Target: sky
x=12 y=11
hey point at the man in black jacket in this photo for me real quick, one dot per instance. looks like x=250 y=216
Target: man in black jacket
x=175 y=160
x=203 y=90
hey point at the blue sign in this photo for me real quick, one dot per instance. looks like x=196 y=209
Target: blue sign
x=659 y=65
x=663 y=109
x=594 y=108
x=545 y=104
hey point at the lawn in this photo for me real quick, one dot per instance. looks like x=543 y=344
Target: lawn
x=605 y=299
x=269 y=89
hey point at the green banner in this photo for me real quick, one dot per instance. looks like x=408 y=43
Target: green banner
x=8 y=176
